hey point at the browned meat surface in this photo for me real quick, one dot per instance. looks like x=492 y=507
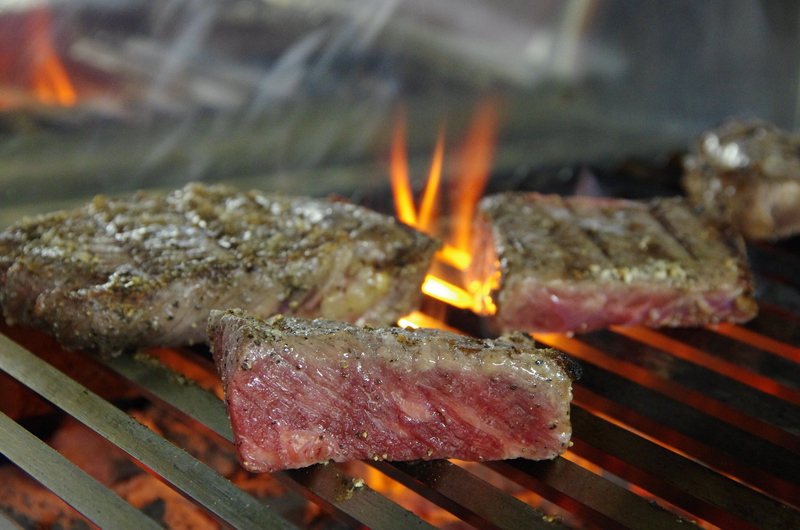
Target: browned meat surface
x=299 y=392
x=577 y=264
x=145 y=270
x=749 y=173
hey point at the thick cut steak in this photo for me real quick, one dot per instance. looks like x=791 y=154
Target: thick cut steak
x=747 y=172
x=299 y=392
x=146 y=269
x=577 y=264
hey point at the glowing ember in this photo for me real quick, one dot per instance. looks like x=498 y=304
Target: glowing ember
x=474 y=166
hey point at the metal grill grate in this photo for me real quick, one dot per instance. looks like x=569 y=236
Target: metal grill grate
x=670 y=427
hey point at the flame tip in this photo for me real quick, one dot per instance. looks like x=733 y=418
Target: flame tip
x=474 y=168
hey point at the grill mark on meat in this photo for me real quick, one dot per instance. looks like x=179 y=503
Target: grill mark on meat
x=665 y=265
x=571 y=246
x=592 y=235
x=657 y=211
x=106 y=276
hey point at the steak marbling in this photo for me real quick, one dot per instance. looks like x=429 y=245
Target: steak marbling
x=300 y=392
x=146 y=269
x=576 y=264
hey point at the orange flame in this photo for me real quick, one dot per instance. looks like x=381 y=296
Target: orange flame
x=466 y=188
x=474 y=169
x=401 y=185
x=49 y=79
x=30 y=70
x=429 y=198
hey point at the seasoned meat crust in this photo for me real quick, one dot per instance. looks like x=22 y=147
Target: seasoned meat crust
x=146 y=269
x=748 y=172
x=576 y=264
x=299 y=392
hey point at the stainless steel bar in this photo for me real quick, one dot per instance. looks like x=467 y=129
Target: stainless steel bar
x=772 y=261
x=465 y=495
x=722 y=390
x=355 y=502
x=325 y=484
x=776 y=324
x=190 y=476
x=165 y=384
x=90 y=498
x=677 y=479
x=603 y=502
x=749 y=358
x=760 y=462
x=777 y=293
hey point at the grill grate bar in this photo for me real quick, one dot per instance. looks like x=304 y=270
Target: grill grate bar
x=730 y=358
x=694 y=386
x=322 y=484
x=759 y=461
x=356 y=503
x=777 y=324
x=680 y=481
x=597 y=499
x=777 y=293
x=165 y=384
x=90 y=498
x=465 y=495
x=742 y=334
x=772 y=261
x=189 y=475
x=709 y=455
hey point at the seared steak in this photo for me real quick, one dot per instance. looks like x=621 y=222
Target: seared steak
x=299 y=392
x=146 y=269
x=749 y=173
x=577 y=264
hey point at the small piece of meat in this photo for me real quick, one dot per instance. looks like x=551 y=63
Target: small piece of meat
x=749 y=173
x=145 y=270
x=577 y=264
x=300 y=392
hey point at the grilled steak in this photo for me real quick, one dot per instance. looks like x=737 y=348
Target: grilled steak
x=749 y=173
x=299 y=392
x=577 y=264
x=145 y=270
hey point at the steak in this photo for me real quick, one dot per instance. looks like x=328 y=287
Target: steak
x=299 y=392
x=146 y=269
x=749 y=173
x=553 y=264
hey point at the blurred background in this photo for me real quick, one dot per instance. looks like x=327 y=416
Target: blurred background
x=304 y=97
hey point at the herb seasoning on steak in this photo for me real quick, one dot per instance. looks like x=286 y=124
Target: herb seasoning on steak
x=300 y=392
x=577 y=264
x=146 y=269
x=749 y=173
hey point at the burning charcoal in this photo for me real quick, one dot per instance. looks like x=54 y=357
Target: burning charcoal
x=553 y=264
x=300 y=392
x=749 y=173
x=145 y=270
